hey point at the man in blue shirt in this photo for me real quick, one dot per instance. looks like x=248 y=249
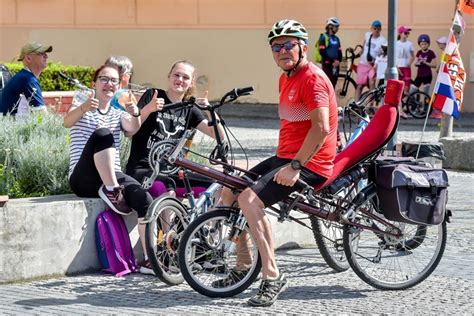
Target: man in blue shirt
x=34 y=57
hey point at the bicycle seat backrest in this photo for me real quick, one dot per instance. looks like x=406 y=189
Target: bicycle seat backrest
x=375 y=136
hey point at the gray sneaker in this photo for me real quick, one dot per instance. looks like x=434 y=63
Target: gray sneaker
x=268 y=291
x=115 y=199
x=233 y=277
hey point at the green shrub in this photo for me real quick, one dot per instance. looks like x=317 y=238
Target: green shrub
x=50 y=79
x=34 y=155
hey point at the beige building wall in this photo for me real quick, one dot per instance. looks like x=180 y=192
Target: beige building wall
x=225 y=39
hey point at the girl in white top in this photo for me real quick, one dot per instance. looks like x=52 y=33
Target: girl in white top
x=96 y=129
x=381 y=65
x=405 y=55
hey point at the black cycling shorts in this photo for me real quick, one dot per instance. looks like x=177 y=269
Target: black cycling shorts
x=271 y=192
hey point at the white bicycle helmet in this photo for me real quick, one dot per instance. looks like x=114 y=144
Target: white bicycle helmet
x=288 y=28
x=333 y=21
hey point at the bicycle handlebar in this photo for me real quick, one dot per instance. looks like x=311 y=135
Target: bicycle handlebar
x=350 y=52
x=73 y=81
x=231 y=96
x=191 y=101
x=368 y=96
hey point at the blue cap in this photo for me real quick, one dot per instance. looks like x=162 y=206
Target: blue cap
x=377 y=23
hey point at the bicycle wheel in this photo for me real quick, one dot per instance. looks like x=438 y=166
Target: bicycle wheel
x=328 y=237
x=162 y=236
x=390 y=263
x=345 y=89
x=208 y=236
x=418 y=104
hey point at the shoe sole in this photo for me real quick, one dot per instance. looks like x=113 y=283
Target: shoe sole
x=107 y=201
x=148 y=271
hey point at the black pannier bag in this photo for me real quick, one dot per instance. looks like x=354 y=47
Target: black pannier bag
x=411 y=193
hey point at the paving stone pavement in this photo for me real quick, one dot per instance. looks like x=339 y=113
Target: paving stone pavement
x=313 y=288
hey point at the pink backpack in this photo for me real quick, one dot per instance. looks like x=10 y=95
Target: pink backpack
x=113 y=244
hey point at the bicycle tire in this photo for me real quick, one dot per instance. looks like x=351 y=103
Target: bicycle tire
x=418 y=104
x=389 y=263
x=345 y=89
x=208 y=235
x=328 y=237
x=162 y=243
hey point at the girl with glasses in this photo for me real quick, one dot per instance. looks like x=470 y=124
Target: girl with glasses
x=96 y=129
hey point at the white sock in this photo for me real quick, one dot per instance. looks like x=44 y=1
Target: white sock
x=110 y=187
x=145 y=257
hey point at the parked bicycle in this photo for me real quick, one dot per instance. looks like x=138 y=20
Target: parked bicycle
x=167 y=217
x=417 y=103
x=360 y=111
x=346 y=85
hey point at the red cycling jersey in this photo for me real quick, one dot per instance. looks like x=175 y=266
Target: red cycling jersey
x=308 y=89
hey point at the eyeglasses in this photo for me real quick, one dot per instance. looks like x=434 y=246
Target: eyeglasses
x=376 y=28
x=406 y=33
x=105 y=80
x=41 y=54
x=287 y=46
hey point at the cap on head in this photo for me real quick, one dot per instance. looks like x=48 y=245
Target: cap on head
x=376 y=23
x=403 y=29
x=424 y=38
x=288 y=28
x=442 y=40
x=34 y=47
x=333 y=21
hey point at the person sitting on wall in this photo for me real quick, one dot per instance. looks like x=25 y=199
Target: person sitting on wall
x=26 y=83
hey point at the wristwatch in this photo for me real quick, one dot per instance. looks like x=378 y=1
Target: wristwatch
x=296 y=164
x=138 y=114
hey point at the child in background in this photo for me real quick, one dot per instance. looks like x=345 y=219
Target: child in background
x=442 y=41
x=381 y=65
x=425 y=60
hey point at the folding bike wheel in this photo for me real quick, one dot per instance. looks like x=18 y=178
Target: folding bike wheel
x=390 y=263
x=235 y=267
x=328 y=237
x=163 y=233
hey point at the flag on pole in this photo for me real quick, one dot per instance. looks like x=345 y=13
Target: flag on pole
x=458 y=24
x=466 y=6
x=449 y=86
x=444 y=98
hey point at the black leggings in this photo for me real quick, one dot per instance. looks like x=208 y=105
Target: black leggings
x=85 y=180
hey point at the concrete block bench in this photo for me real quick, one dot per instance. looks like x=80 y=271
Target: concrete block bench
x=459 y=153
x=42 y=237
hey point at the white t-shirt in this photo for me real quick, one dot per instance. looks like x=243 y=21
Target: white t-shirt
x=83 y=129
x=403 y=53
x=375 y=47
x=381 y=64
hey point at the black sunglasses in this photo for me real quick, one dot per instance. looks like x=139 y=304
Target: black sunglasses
x=287 y=46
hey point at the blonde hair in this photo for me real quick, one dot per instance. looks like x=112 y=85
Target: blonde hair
x=192 y=89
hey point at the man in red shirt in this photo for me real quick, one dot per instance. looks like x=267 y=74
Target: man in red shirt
x=306 y=147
